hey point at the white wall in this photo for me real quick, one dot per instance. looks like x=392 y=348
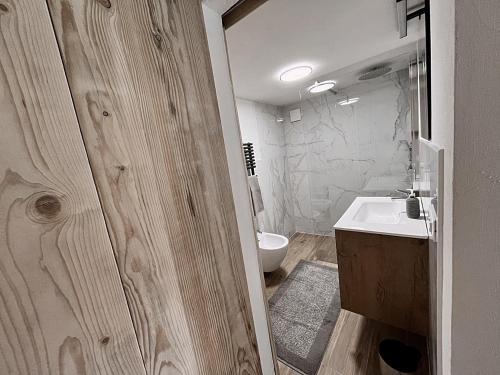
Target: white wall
x=465 y=99
x=247 y=116
x=442 y=94
x=431 y=167
x=311 y=170
x=259 y=125
x=232 y=140
x=336 y=153
x=475 y=329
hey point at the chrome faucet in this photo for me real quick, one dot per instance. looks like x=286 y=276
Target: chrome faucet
x=406 y=193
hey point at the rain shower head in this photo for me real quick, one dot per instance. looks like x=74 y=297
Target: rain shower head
x=374 y=72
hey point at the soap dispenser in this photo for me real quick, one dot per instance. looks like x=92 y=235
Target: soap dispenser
x=412 y=206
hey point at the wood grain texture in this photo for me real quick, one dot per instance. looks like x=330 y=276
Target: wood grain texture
x=140 y=76
x=62 y=306
x=302 y=246
x=355 y=341
x=353 y=347
x=385 y=278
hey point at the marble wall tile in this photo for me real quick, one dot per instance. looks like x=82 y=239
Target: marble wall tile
x=259 y=125
x=335 y=153
x=310 y=171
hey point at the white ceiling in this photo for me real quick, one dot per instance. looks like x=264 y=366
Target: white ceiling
x=338 y=38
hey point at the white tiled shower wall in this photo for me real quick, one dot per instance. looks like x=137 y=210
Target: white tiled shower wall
x=258 y=123
x=311 y=170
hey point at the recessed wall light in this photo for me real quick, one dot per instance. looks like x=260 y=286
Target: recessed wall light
x=295 y=73
x=348 y=101
x=321 y=86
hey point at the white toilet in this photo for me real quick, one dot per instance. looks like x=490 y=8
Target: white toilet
x=272 y=250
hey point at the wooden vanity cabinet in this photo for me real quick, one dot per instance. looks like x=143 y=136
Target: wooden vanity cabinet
x=385 y=278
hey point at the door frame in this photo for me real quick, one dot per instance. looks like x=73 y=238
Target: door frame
x=241 y=195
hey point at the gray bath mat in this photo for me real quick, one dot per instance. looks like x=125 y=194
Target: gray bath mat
x=303 y=313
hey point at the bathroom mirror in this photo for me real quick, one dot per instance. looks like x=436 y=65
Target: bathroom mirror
x=424 y=77
x=420 y=65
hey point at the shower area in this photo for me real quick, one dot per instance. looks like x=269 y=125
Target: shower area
x=314 y=156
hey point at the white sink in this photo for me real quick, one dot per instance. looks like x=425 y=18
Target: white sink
x=381 y=215
x=379 y=212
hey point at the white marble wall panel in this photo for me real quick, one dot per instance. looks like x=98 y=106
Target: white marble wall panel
x=259 y=125
x=335 y=151
x=311 y=170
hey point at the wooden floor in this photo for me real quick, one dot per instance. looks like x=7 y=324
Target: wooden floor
x=353 y=347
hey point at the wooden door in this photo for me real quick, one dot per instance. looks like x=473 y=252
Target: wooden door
x=129 y=264
x=62 y=306
x=141 y=80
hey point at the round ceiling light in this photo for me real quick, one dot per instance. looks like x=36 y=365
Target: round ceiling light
x=348 y=101
x=295 y=73
x=321 y=86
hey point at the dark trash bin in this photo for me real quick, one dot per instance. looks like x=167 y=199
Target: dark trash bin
x=398 y=358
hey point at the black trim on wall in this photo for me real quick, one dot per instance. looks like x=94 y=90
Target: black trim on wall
x=428 y=63
x=239 y=11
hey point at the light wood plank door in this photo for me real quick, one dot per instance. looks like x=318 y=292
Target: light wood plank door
x=62 y=306
x=140 y=76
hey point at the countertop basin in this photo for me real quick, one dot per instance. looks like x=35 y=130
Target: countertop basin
x=382 y=215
